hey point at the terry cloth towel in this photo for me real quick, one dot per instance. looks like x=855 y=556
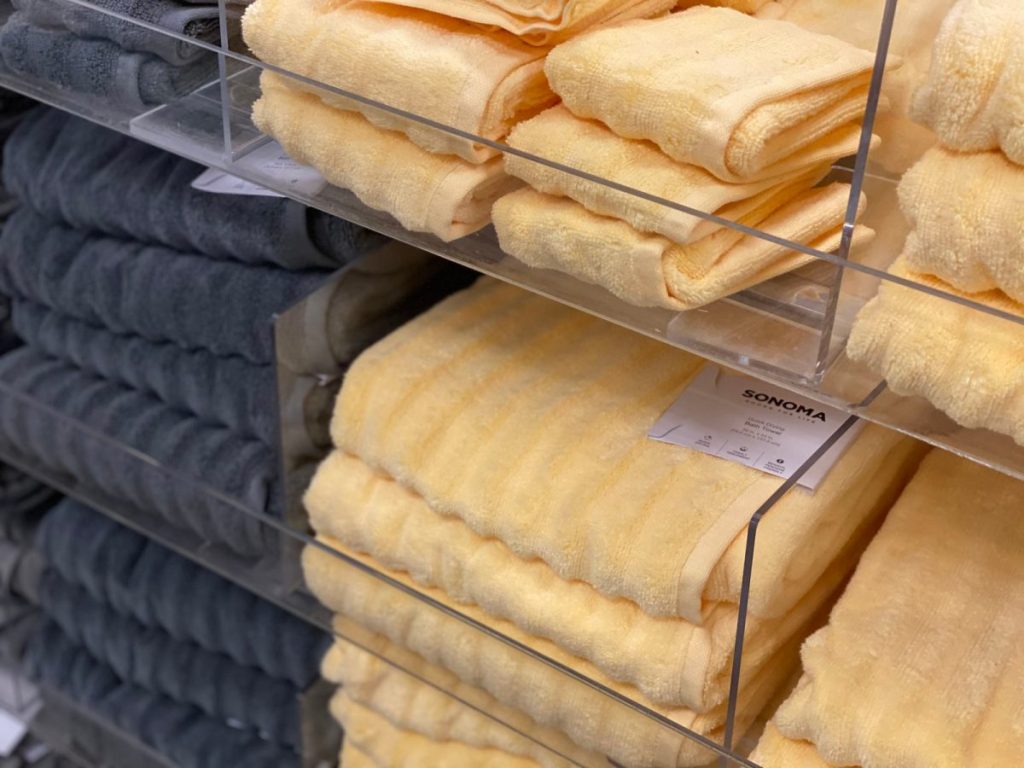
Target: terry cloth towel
x=803 y=107
x=965 y=362
x=149 y=657
x=23 y=499
x=97 y=68
x=966 y=228
x=670 y=660
x=776 y=751
x=743 y=6
x=76 y=172
x=973 y=97
x=149 y=291
x=442 y=195
x=184 y=462
x=559 y=459
x=194 y=20
x=399 y=695
x=543 y=23
x=435 y=67
x=946 y=642
x=652 y=271
x=590 y=718
x=180 y=732
x=138 y=577
x=229 y=391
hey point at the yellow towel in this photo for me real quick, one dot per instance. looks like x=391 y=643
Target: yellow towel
x=390 y=747
x=589 y=146
x=671 y=661
x=591 y=719
x=973 y=97
x=921 y=662
x=351 y=757
x=413 y=705
x=743 y=6
x=965 y=212
x=742 y=97
x=967 y=363
x=528 y=420
x=776 y=751
x=542 y=23
x=432 y=66
x=445 y=196
x=651 y=271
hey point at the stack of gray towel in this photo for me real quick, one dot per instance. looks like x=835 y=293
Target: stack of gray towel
x=113 y=59
x=196 y=667
x=146 y=308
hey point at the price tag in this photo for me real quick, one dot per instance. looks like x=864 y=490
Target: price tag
x=267 y=161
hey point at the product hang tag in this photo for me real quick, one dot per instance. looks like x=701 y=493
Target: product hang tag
x=744 y=420
x=267 y=161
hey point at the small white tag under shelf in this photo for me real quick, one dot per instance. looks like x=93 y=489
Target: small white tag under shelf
x=744 y=420
x=268 y=160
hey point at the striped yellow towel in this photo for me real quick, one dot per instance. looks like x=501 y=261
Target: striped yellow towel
x=439 y=194
x=967 y=363
x=686 y=83
x=449 y=71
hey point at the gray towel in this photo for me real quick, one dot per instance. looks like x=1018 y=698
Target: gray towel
x=156 y=293
x=200 y=22
x=99 y=68
x=137 y=577
x=70 y=407
x=91 y=178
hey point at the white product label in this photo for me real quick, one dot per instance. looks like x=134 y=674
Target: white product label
x=268 y=161
x=218 y=182
x=12 y=731
x=744 y=420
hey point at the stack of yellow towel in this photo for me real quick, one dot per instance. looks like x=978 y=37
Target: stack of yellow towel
x=667 y=106
x=921 y=663
x=493 y=456
x=967 y=237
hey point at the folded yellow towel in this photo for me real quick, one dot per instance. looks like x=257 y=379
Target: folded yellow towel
x=921 y=663
x=743 y=6
x=776 y=751
x=589 y=146
x=707 y=106
x=965 y=214
x=435 y=67
x=671 y=661
x=967 y=363
x=442 y=195
x=528 y=420
x=973 y=97
x=590 y=718
x=651 y=271
x=351 y=757
x=401 y=696
x=390 y=747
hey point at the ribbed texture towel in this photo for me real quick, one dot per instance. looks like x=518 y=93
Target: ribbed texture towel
x=801 y=109
x=425 y=192
x=965 y=362
x=479 y=81
x=973 y=97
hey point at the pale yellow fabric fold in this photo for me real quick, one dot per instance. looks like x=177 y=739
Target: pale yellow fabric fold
x=443 y=195
x=973 y=97
x=706 y=107
x=351 y=757
x=435 y=67
x=967 y=363
x=540 y=24
x=776 y=751
x=548 y=232
x=965 y=215
x=743 y=6
x=528 y=421
x=921 y=662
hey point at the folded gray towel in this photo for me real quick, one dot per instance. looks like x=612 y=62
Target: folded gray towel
x=70 y=407
x=99 y=68
x=150 y=291
x=91 y=178
x=200 y=22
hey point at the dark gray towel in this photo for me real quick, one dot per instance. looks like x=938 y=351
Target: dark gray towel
x=229 y=391
x=99 y=68
x=189 y=738
x=23 y=500
x=92 y=178
x=140 y=578
x=200 y=22
x=184 y=671
x=151 y=291
x=70 y=414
